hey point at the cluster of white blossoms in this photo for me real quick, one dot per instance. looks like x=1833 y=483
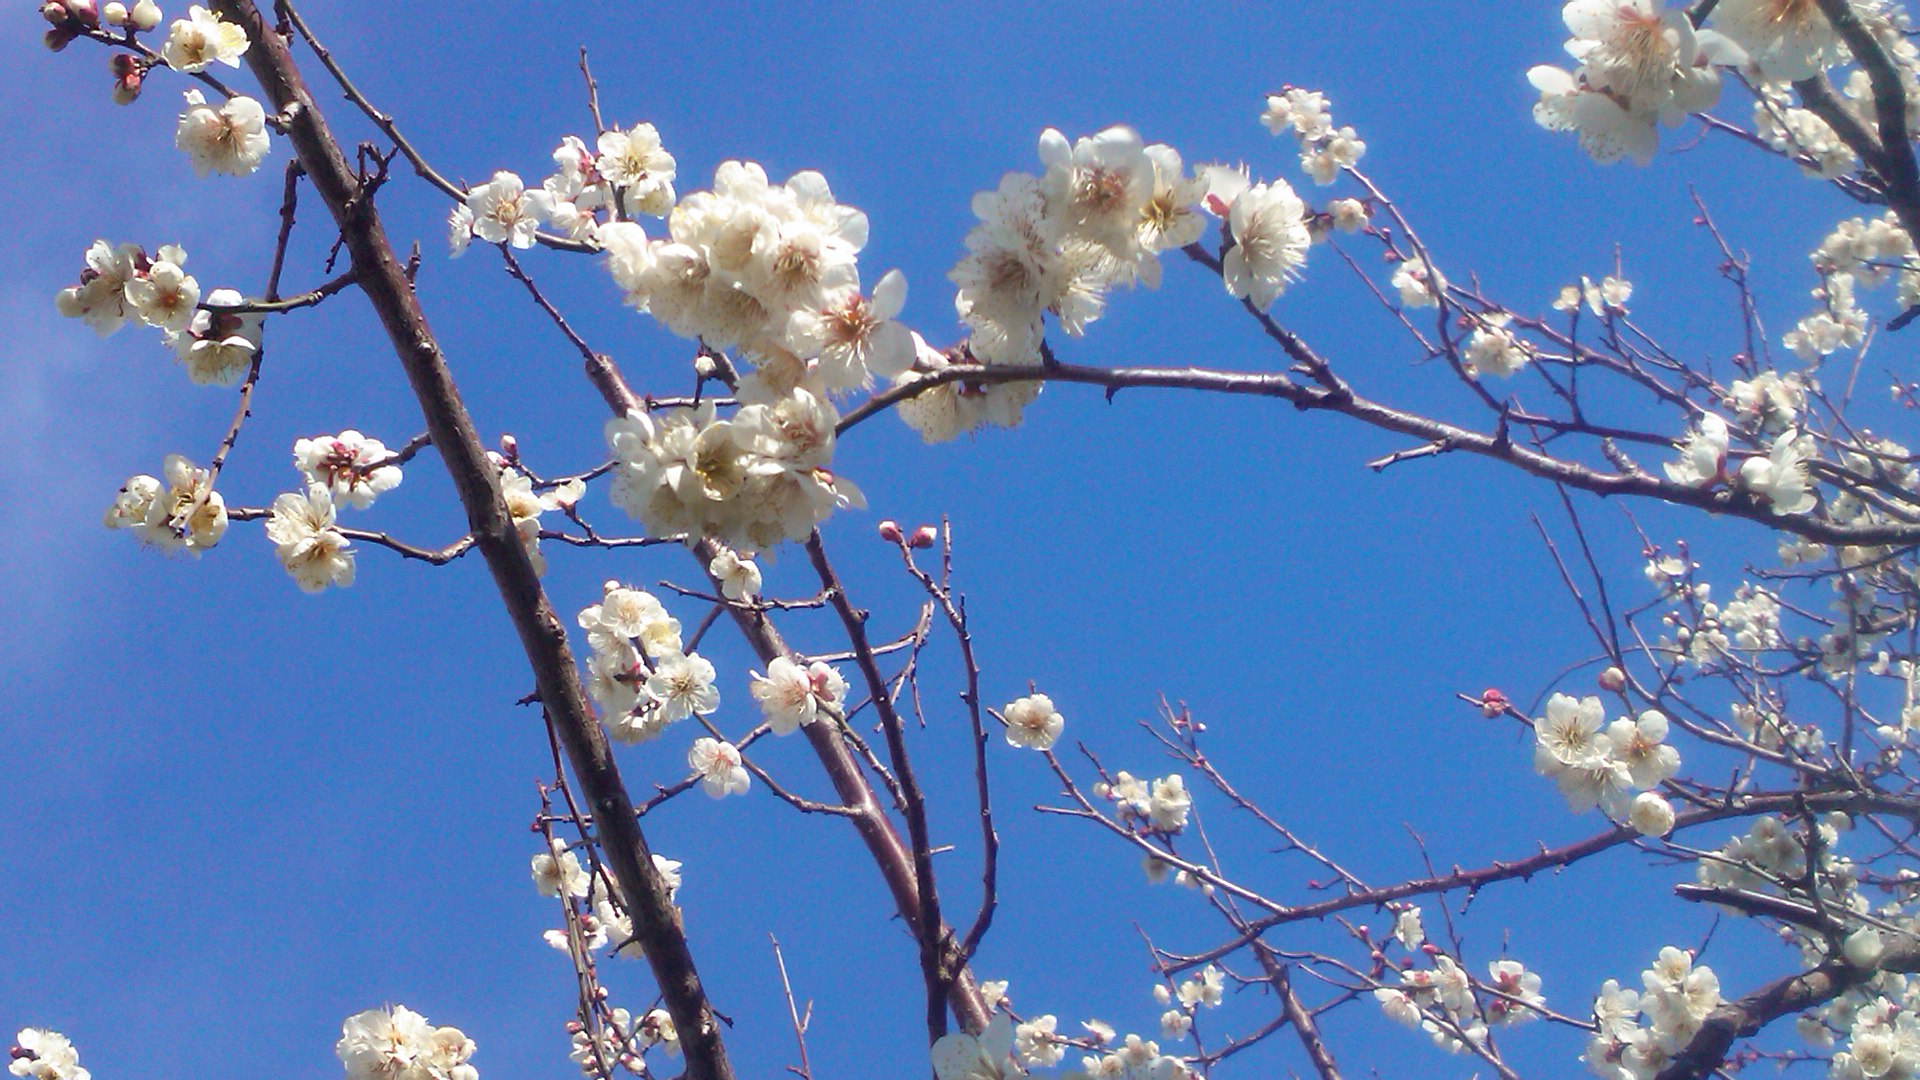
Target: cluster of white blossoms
x=1595 y=763
x=794 y=693
x=1440 y=1000
x=1033 y=722
x=202 y=39
x=1676 y=998
x=1640 y=64
x=346 y=469
x=1780 y=478
x=1205 y=989
x=749 y=480
x=177 y=511
x=638 y=673
x=602 y=923
x=39 y=1054
x=1004 y=1052
x=123 y=283
x=1324 y=149
x=1857 y=254
x=627 y=172
x=399 y=1044
x=1493 y=348
x=1160 y=805
x=622 y=1041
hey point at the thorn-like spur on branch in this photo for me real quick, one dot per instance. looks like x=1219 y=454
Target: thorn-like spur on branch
x=543 y=636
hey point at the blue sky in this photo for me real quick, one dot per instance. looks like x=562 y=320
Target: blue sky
x=238 y=814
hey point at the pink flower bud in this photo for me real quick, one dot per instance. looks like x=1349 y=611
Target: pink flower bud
x=1492 y=703
x=126 y=88
x=890 y=531
x=923 y=537
x=85 y=11
x=59 y=37
x=1613 y=680
x=510 y=447
x=54 y=12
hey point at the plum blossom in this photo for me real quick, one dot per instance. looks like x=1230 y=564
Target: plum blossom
x=46 y=1055
x=505 y=212
x=791 y=696
x=179 y=511
x=682 y=686
x=354 y=468
x=1787 y=40
x=1703 y=454
x=635 y=163
x=557 y=871
x=306 y=542
x=201 y=39
x=399 y=1044
x=719 y=767
x=1781 y=477
x=231 y=139
x=1270 y=242
x=739 y=578
x=1032 y=721
x=100 y=300
x=987 y=1056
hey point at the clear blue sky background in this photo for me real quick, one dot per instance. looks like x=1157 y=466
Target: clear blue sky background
x=235 y=814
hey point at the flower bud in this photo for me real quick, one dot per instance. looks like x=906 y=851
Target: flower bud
x=59 y=37
x=510 y=447
x=890 y=531
x=115 y=14
x=923 y=537
x=145 y=15
x=1492 y=703
x=126 y=88
x=84 y=11
x=1650 y=815
x=1613 y=680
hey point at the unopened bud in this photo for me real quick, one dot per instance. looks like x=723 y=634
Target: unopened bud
x=115 y=14
x=59 y=37
x=126 y=88
x=923 y=537
x=86 y=11
x=54 y=12
x=510 y=447
x=575 y=1027
x=1613 y=680
x=890 y=531
x=1492 y=703
x=145 y=15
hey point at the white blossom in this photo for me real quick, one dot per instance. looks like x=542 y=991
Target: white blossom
x=231 y=139
x=1032 y=721
x=46 y=1055
x=791 y=695
x=719 y=768
x=354 y=468
x=306 y=541
x=1270 y=242
x=505 y=212
x=200 y=39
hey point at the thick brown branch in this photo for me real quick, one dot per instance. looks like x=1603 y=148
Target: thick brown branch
x=543 y=636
